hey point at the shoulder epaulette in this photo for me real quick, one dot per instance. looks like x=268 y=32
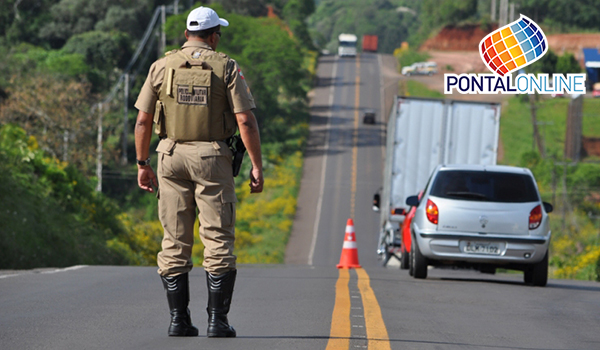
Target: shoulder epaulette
x=170 y=52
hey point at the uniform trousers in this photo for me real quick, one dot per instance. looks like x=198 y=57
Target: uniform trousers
x=196 y=177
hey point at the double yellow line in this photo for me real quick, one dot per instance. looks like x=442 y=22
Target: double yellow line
x=341 y=326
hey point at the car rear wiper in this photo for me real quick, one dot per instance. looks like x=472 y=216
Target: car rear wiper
x=467 y=195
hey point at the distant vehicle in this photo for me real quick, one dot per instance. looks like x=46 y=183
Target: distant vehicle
x=421 y=134
x=596 y=90
x=420 y=68
x=369 y=43
x=347 y=45
x=369 y=117
x=483 y=217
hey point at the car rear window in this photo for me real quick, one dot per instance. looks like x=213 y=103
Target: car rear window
x=485 y=186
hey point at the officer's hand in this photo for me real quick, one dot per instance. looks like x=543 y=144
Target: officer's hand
x=146 y=178
x=256 y=180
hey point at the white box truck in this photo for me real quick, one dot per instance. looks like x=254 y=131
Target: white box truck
x=421 y=134
x=347 y=45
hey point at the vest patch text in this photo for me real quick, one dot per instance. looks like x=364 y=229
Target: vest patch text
x=198 y=95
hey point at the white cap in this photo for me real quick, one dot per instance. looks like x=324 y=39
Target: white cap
x=203 y=18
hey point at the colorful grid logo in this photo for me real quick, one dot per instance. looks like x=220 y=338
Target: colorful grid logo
x=513 y=46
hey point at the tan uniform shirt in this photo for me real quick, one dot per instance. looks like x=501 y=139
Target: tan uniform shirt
x=238 y=93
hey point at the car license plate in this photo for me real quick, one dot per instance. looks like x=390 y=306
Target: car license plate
x=488 y=248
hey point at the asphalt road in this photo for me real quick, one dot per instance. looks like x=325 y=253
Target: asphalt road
x=307 y=303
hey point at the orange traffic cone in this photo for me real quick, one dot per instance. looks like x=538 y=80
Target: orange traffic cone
x=349 y=258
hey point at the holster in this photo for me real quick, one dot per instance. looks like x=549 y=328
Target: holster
x=238 y=148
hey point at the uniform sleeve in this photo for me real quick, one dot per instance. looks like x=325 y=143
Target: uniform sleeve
x=146 y=100
x=238 y=92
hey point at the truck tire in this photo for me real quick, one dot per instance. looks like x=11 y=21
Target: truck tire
x=418 y=262
x=388 y=247
x=537 y=275
x=404 y=259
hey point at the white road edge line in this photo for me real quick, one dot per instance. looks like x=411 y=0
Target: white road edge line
x=323 y=167
x=76 y=267
x=7 y=276
x=72 y=268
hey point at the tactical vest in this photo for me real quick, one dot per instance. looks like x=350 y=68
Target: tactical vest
x=192 y=102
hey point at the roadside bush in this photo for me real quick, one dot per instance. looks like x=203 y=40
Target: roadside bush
x=50 y=214
x=410 y=56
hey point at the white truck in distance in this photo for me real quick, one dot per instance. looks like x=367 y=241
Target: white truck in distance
x=347 y=45
x=422 y=134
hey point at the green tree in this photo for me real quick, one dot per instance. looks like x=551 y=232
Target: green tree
x=56 y=112
x=102 y=50
x=546 y=64
x=376 y=17
x=71 y=17
x=254 y=8
x=563 y=15
x=295 y=13
x=567 y=64
x=50 y=213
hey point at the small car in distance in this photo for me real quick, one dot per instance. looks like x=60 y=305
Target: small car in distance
x=420 y=68
x=369 y=117
x=482 y=217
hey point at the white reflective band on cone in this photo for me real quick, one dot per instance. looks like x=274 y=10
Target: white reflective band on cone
x=349 y=245
x=349 y=229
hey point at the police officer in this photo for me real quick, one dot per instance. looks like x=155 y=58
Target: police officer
x=196 y=96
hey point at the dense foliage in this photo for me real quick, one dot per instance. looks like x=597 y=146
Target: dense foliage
x=395 y=21
x=68 y=60
x=49 y=212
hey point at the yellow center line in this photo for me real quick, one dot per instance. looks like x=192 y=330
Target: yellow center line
x=341 y=329
x=355 y=137
x=377 y=334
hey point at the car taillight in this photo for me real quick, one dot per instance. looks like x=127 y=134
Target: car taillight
x=432 y=212
x=398 y=211
x=535 y=217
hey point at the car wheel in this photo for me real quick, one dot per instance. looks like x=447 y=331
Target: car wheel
x=418 y=262
x=404 y=260
x=538 y=274
x=411 y=270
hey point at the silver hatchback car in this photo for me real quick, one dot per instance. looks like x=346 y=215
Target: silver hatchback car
x=482 y=217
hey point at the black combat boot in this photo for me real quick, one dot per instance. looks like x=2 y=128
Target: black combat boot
x=178 y=295
x=220 y=290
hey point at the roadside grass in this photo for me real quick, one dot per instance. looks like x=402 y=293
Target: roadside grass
x=264 y=222
x=409 y=87
x=575 y=245
x=516 y=130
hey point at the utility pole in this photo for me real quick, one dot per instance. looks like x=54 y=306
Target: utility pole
x=163 y=36
x=503 y=13
x=99 y=150
x=573 y=137
x=536 y=134
x=512 y=12
x=125 y=119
